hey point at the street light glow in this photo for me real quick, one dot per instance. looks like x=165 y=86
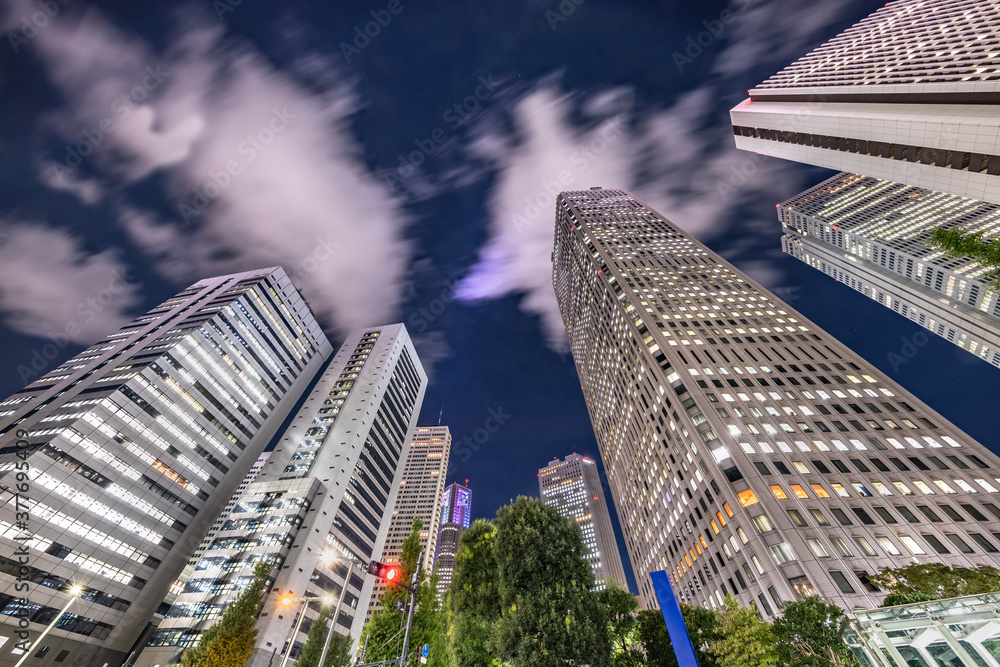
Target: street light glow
x=286 y=601
x=76 y=590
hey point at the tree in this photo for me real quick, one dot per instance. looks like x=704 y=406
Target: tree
x=384 y=631
x=550 y=614
x=655 y=640
x=809 y=634
x=230 y=642
x=745 y=640
x=703 y=627
x=958 y=242
x=893 y=599
x=473 y=599
x=938 y=580
x=339 y=653
x=620 y=607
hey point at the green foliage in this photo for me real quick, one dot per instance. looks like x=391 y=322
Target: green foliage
x=937 y=580
x=550 y=615
x=703 y=627
x=744 y=639
x=384 y=631
x=230 y=642
x=809 y=634
x=339 y=654
x=620 y=607
x=655 y=640
x=473 y=599
x=958 y=242
x=893 y=599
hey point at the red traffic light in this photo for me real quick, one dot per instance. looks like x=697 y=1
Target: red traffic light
x=390 y=574
x=385 y=572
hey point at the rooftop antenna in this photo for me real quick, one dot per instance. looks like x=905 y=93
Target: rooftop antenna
x=439 y=415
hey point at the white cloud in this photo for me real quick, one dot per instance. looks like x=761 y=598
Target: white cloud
x=52 y=287
x=260 y=167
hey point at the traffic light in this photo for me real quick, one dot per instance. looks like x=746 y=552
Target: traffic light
x=389 y=573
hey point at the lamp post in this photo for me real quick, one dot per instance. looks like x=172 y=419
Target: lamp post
x=298 y=623
x=329 y=559
x=75 y=592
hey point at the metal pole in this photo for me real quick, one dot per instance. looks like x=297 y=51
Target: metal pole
x=45 y=632
x=415 y=582
x=295 y=632
x=333 y=624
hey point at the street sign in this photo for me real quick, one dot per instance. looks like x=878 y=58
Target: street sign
x=423 y=660
x=427 y=649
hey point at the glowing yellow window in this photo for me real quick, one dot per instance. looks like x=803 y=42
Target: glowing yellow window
x=882 y=488
x=722 y=520
x=778 y=492
x=697 y=548
x=715 y=527
x=747 y=498
x=729 y=511
x=687 y=559
x=798 y=491
x=839 y=488
x=819 y=491
x=801 y=467
x=701 y=538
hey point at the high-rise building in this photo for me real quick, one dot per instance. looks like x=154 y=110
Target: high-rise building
x=456 y=514
x=573 y=487
x=420 y=495
x=911 y=94
x=872 y=235
x=114 y=465
x=323 y=498
x=747 y=450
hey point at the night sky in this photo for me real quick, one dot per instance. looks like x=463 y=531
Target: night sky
x=407 y=174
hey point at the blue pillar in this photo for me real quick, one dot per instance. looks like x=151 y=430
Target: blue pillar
x=679 y=637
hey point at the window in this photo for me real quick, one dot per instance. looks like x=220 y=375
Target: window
x=882 y=488
x=943 y=486
x=857 y=463
x=797 y=518
x=936 y=544
x=778 y=492
x=817 y=547
x=951 y=513
x=903 y=488
x=747 y=498
x=798 y=491
x=761 y=468
x=819 y=491
x=819 y=518
x=842 y=583
x=889 y=546
x=839 y=465
x=884 y=514
x=782 y=468
x=757 y=565
x=907 y=514
x=840 y=490
x=911 y=545
x=821 y=467
x=983 y=542
x=865 y=547
x=781 y=553
x=973 y=512
x=862 y=491
x=879 y=465
x=922 y=487
x=801 y=467
x=863 y=516
x=841 y=547
x=929 y=513
x=959 y=543
x=762 y=523
x=841 y=516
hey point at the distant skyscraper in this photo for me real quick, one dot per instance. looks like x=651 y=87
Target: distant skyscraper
x=327 y=489
x=748 y=451
x=456 y=512
x=872 y=235
x=420 y=495
x=573 y=487
x=911 y=94
x=133 y=447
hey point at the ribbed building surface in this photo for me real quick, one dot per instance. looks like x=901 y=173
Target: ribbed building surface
x=573 y=487
x=748 y=451
x=456 y=515
x=911 y=94
x=326 y=490
x=872 y=236
x=123 y=456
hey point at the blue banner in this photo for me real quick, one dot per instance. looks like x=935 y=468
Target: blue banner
x=679 y=637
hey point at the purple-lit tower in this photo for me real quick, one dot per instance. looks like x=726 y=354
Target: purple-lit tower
x=456 y=509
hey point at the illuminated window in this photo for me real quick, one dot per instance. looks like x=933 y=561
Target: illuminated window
x=715 y=526
x=922 y=487
x=722 y=520
x=903 y=488
x=763 y=523
x=819 y=491
x=819 y=518
x=882 y=488
x=778 y=492
x=798 y=491
x=860 y=488
x=840 y=490
x=944 y=487
x=817 y=548
x=747 y=498
x=729 y=510
x=801 y=467
x=911 y=545
x=889 y=547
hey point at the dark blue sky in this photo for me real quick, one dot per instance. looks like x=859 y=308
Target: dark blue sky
x=418 y=161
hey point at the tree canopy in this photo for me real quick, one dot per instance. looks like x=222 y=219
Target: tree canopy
x=957 y=242
x=744 y=640
x=937 y=580
x=809 y=634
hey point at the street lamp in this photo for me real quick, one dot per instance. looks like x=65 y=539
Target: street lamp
x=329 y=558
x=75 y=591
x=302 y=614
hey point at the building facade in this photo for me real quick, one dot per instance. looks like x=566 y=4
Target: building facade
x=420 y=495
x=872 y=236
x=456 y=515
x=573 y=487
x=748 y=451
x=114 y=465
x=911 y=94
x=323 y=499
